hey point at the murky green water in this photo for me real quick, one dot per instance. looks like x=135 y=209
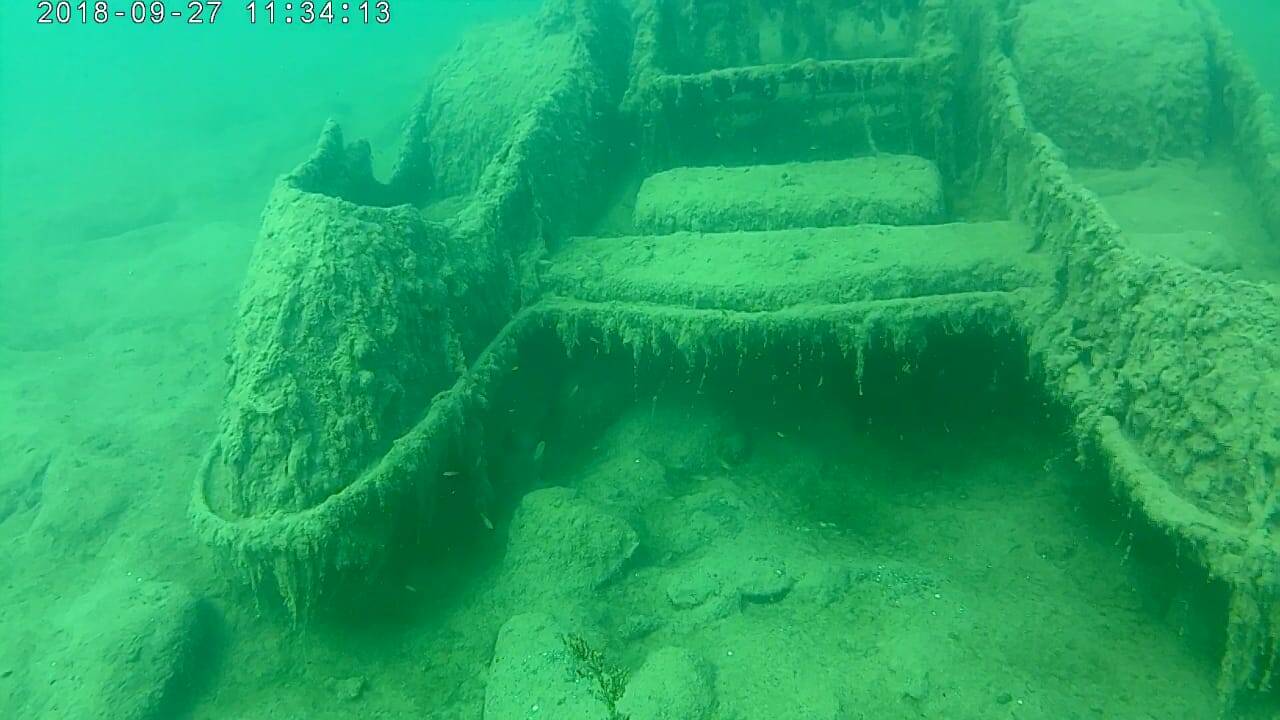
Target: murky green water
x=655 y=359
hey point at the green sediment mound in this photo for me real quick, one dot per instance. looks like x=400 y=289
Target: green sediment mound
x=479 y=95
x=769 y=270
x=536 y=672
x=883 y=189
x=1115 y=83
x=555 y=533
x=673 y=684
x=121 y=650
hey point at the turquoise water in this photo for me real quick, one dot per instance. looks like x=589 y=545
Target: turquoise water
x=795 y=438
x=1254 y=23
x=106 y=127
x=147 y=116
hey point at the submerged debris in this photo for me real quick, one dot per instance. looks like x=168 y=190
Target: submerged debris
x=376 y=337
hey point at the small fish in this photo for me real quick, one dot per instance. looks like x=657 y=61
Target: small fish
x=488 y=524
x=539 y=450
x=451 y=473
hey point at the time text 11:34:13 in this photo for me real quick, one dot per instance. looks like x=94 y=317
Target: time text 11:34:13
x=309 y=12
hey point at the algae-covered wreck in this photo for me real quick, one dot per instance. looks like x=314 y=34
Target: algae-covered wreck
x=703 y=181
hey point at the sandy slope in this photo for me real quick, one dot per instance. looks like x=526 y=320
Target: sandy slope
x=117 y=394
x=112 y=354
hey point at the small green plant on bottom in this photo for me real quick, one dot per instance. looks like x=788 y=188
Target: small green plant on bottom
x=610 y=679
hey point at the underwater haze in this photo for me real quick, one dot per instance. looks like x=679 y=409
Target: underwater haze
x=1255 y=23
x=107 y=128
x=653 y=360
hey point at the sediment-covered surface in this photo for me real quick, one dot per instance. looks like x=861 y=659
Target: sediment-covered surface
x=1204 y=214
x=342 y=340
x=108 y=608
x=1112 y=332
x=879 y=189
x=1092 y=81
x=496 y=468
x=479 y=96
x=125 y=649
x=813 y=107
x=1147 y=353
x=358 y=310
x=769 y=270
x=771 y=553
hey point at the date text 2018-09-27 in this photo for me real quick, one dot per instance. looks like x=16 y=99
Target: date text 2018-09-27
x=208 y=12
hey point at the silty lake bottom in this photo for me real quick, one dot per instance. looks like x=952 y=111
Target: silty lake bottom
x=652 y=359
